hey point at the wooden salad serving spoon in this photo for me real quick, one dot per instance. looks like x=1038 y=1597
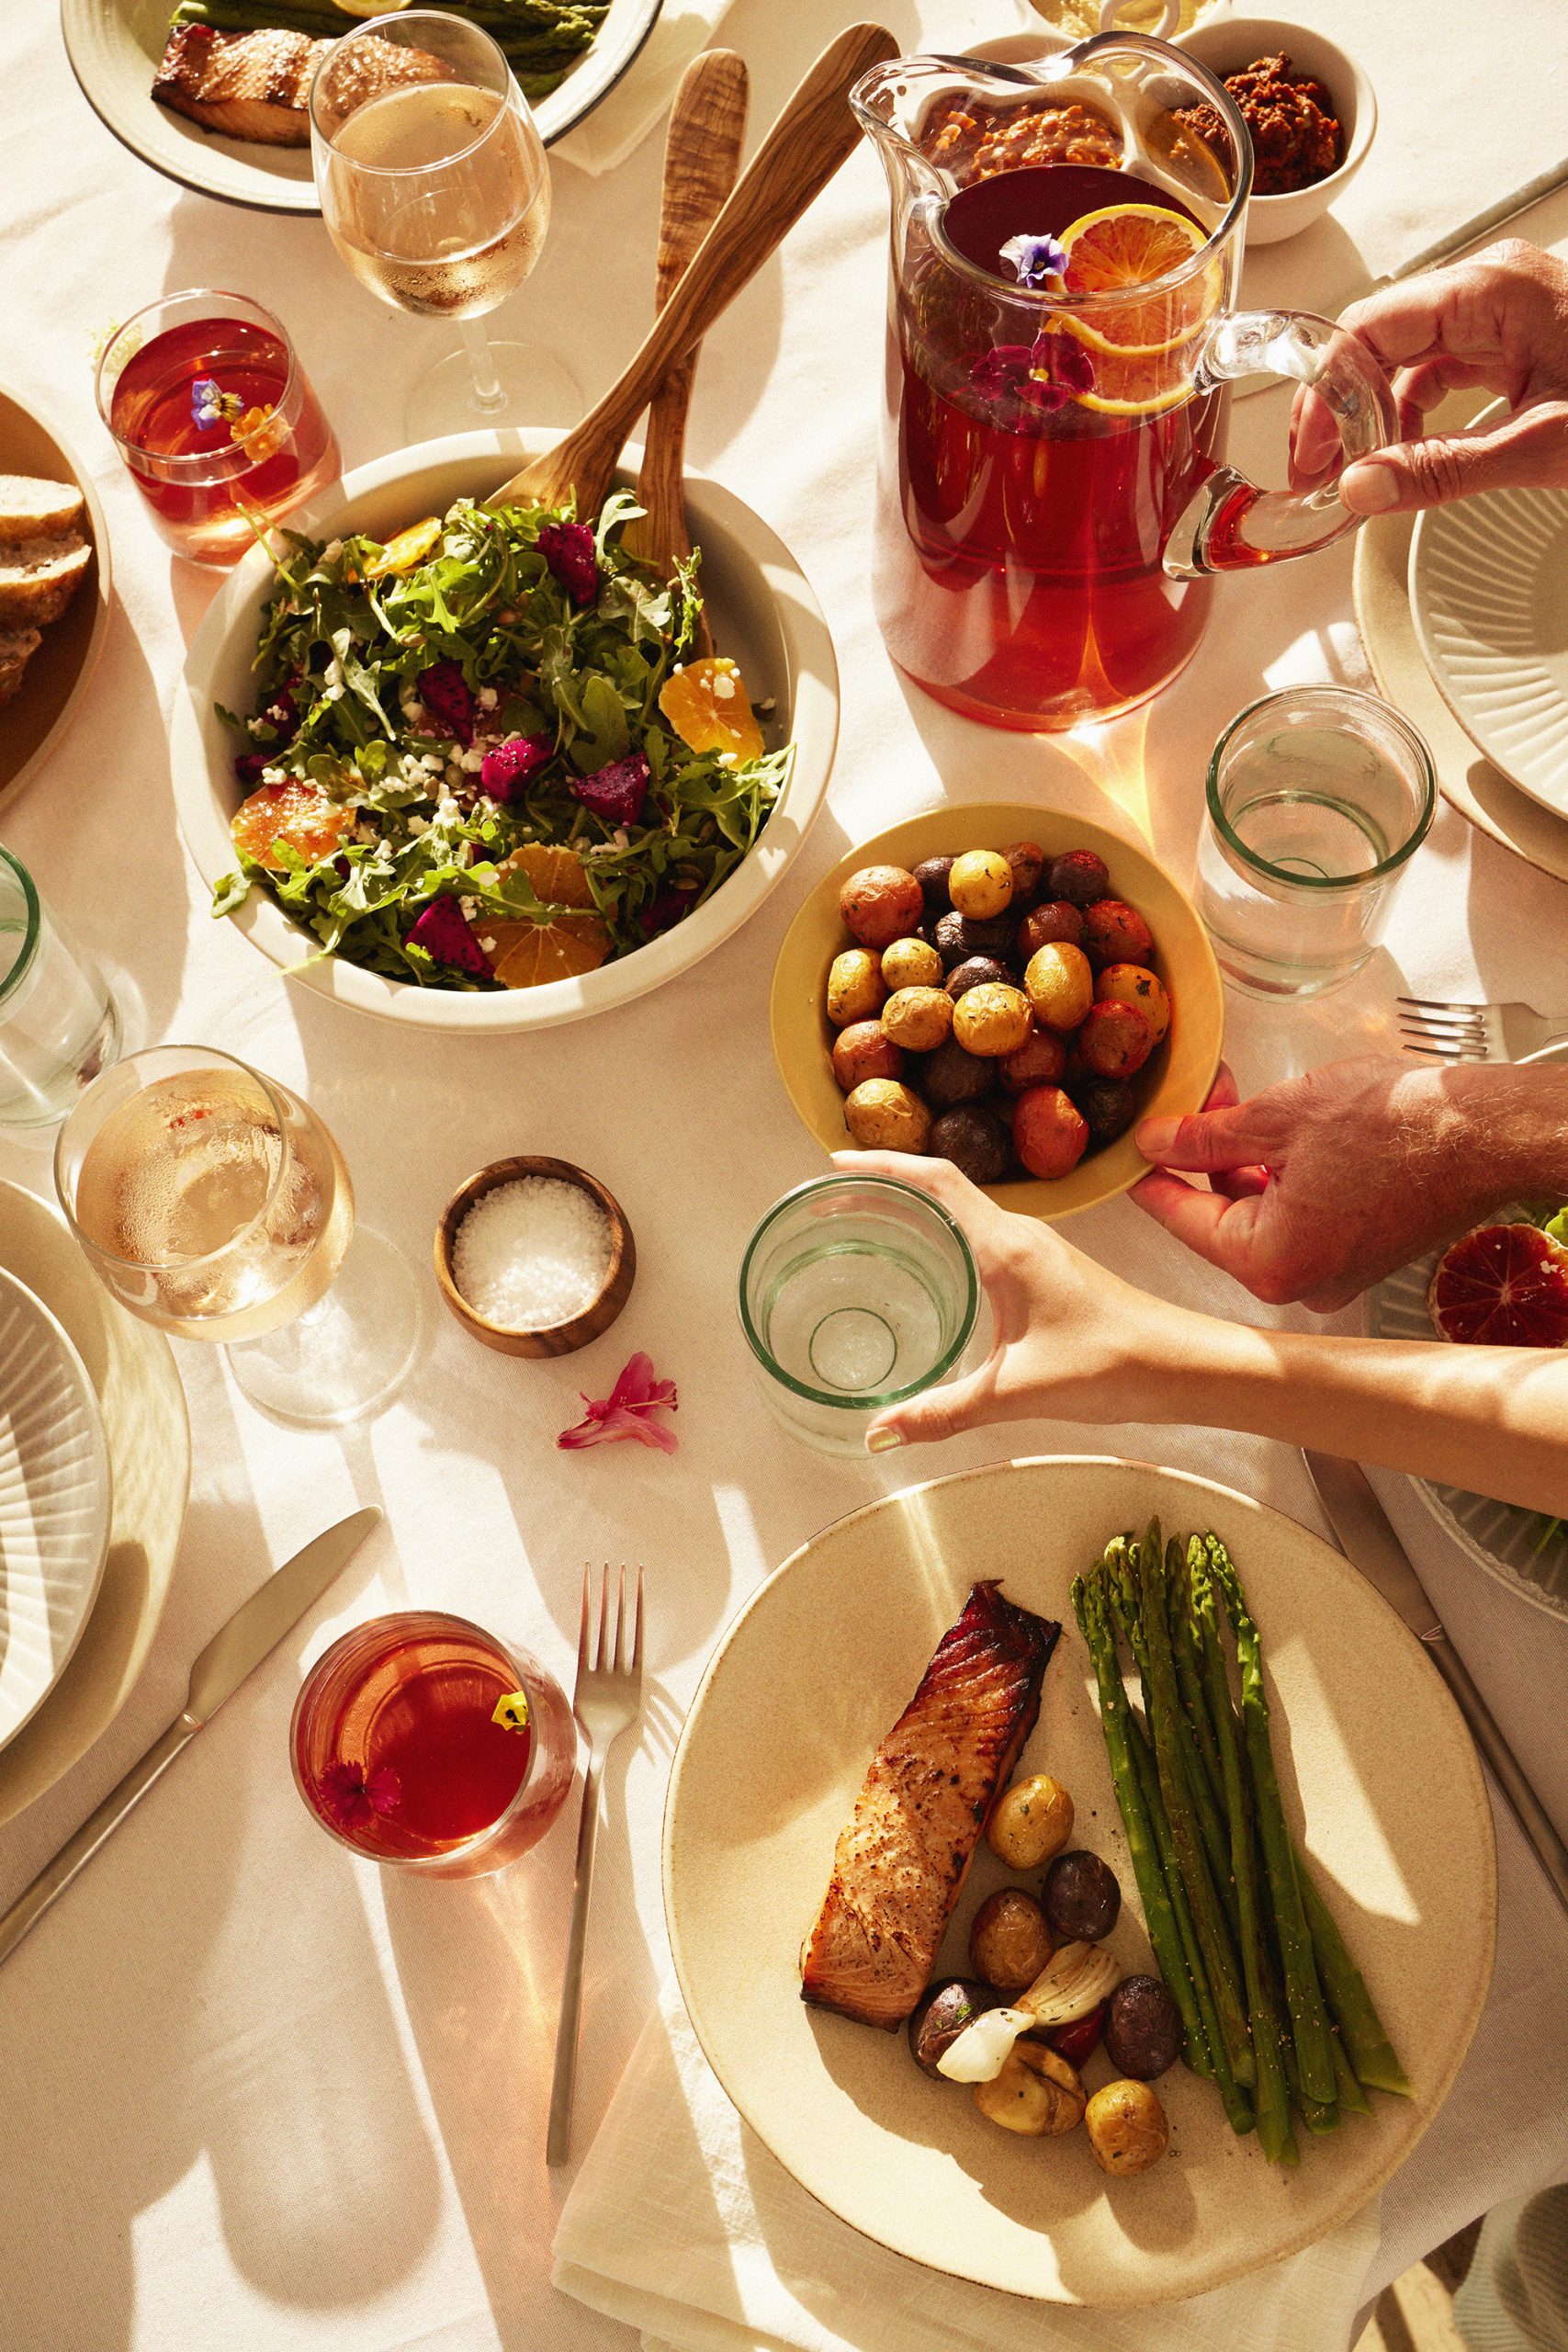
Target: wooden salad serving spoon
x=701 y=162
x=800 y=154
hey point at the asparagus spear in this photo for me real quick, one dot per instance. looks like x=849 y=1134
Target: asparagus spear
x=1273 y=2100
x=1178 y=1781
x=1353 y=2099
x=1186 y=1645
x=1309 y=2020
x=1367 y=2047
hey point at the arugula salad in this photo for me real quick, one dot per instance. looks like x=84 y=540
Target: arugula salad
x=483 y=754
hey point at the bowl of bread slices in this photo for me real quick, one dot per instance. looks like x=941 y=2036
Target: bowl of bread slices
x=54 y=589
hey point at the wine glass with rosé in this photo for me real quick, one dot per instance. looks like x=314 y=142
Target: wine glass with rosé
x=421 y=1741
x=215 y=420
x=213 y=1203
x=435 y=190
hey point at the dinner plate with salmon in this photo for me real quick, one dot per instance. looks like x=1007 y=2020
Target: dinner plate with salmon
x=215 y=93
x=1048 y=1888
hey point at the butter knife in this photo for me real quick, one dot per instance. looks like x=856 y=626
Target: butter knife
x=255 y=1628
x=1370 y=1544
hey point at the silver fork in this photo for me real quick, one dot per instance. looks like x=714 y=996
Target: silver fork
x=607 y=1699
x=1476 y=1033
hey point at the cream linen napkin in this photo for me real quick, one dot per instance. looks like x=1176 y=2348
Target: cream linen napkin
x=639 y=103
x=681 y=2223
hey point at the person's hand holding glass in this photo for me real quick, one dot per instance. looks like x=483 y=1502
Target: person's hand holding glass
x=435 y=190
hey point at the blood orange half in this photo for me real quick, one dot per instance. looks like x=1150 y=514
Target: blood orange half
x=1501 y=1286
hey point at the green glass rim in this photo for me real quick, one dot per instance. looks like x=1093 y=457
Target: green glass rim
x=1330 y=698
x=864 y=1402
x=23 y=964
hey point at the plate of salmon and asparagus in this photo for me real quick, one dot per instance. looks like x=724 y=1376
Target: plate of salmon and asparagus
x=1048 y=1889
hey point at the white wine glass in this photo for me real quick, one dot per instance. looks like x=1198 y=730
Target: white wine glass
x=212 y=1202
x=435 y=190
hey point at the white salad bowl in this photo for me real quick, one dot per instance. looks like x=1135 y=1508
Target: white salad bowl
x=764 y=612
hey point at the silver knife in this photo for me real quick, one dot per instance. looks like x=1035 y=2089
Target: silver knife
x=255 y=1628
x=1370 y=1544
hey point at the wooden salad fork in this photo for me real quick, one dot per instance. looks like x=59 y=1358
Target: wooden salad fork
x=702 y=161
x=800 y=154
x=607 y=1701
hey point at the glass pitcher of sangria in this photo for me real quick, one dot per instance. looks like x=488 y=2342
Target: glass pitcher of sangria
x=1053 y=493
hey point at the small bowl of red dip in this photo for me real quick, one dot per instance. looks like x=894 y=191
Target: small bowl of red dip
x=1310 y=109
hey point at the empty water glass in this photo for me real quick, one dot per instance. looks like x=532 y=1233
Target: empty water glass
x=856 y=1292
x=59 y=1024
x=1317 y=799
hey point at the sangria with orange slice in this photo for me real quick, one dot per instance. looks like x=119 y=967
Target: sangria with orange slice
x=1053 y=494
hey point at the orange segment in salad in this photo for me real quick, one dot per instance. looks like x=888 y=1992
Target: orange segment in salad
x=526 y=955
x=405 y=549
x=706 y=704
x=299 y=815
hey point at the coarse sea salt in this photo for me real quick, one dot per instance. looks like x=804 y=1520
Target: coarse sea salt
x=532 y=1253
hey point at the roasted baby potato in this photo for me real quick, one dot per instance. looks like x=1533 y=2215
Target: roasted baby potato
x=880 y=904
x=1078 y=875
x=1053 y=919
x=951 y=1075
x=1115 y=1041
x=1135 y=984
x=1032 y=1821
x=911 y=963
x=992 y=1020
x=1080 y=1898
x=1037 y=2094
x=864 y=1050
x=1050 y=1134
x=980 y=883
x=856 y=989
x=1027 y=860
x=922 y=1019
x=941 y=2015
x=883 y=1114
x=1127 y=2127
x=1041 y=1060
x=976 y=1139
x=1060 y=986
x=1110 y=1106
x=1142 y=2028
x=957 y=936
x=973 y=971
x=931 y=875
x=1115 y=933
x=1009 y=1940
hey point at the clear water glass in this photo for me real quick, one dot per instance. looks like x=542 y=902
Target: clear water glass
x=59 y=1022
x=1319 y=797
x=856 y=1292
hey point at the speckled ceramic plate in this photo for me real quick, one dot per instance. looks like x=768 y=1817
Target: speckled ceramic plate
x=1511 y=1544
x=811 y=1674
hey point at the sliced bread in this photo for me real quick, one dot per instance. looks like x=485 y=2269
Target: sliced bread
x=39 y=577
x=34 y=509
x=17 y=647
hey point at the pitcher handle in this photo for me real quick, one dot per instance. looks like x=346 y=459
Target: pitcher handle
x=1231 y=526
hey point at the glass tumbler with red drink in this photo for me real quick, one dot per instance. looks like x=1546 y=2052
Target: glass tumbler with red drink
x=422 y=1741
x=215 y=419
x=1053 y=496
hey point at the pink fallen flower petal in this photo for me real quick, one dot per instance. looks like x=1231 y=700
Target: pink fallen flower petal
x=625 y=1412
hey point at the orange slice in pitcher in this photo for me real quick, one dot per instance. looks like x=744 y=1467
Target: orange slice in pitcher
x=525 y=954
x=300 y=815
x=1127 y=245
x=706 y=704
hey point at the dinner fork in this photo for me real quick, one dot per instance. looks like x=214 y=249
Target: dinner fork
x=1477 y=1033
x=607 y=1699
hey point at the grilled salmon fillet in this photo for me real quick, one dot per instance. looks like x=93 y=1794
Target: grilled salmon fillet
x=258 y=85
x=901 y=1858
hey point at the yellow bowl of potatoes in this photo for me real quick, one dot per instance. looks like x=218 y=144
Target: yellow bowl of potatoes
x=1006 y=987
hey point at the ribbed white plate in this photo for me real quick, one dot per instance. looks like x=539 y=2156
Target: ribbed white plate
x=54 y=1502
x=1489 y=590
x=1510 y=1543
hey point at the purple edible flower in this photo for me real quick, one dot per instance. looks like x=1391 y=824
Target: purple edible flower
x=618 y=792
x=1036 y=260
x=445 y=693
x=567 y=549
x=445 y=937
x=209 y=405
x=507 y=766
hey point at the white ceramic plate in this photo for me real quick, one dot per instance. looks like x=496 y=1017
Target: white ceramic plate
x=1489 y=591
x=813 y=1672
x=54 y=1502
x=764 y=612
x=114 y=47
x=132 y=1368
x=1499 y=1537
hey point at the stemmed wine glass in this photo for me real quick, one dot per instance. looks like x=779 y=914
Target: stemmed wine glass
x=435 y=190
x=213 y=1203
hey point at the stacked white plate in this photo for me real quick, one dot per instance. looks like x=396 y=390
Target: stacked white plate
x=54 y=1502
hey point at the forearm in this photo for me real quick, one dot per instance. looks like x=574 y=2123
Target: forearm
x=1492 y=1420
x=1503 y=1136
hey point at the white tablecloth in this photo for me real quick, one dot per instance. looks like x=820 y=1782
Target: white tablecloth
x=256 y=2096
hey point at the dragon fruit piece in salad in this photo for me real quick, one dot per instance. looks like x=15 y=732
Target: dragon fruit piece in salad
x=446 y=939
x=618 y=792
x=567 y=549
x=508 y=766
x=445 y=693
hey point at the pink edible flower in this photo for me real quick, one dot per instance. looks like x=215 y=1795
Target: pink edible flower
x=446 y=939
x=443 y=691
x=567 y=549
x=615 y=793
x=624 y=1411
x=507 y=766
x=350 y=1798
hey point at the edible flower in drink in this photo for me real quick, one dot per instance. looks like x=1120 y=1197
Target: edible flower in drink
x=350 y=1797
x=1037 y=262
x=625 y=1412
x=511 y=1712
x=212 y=406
